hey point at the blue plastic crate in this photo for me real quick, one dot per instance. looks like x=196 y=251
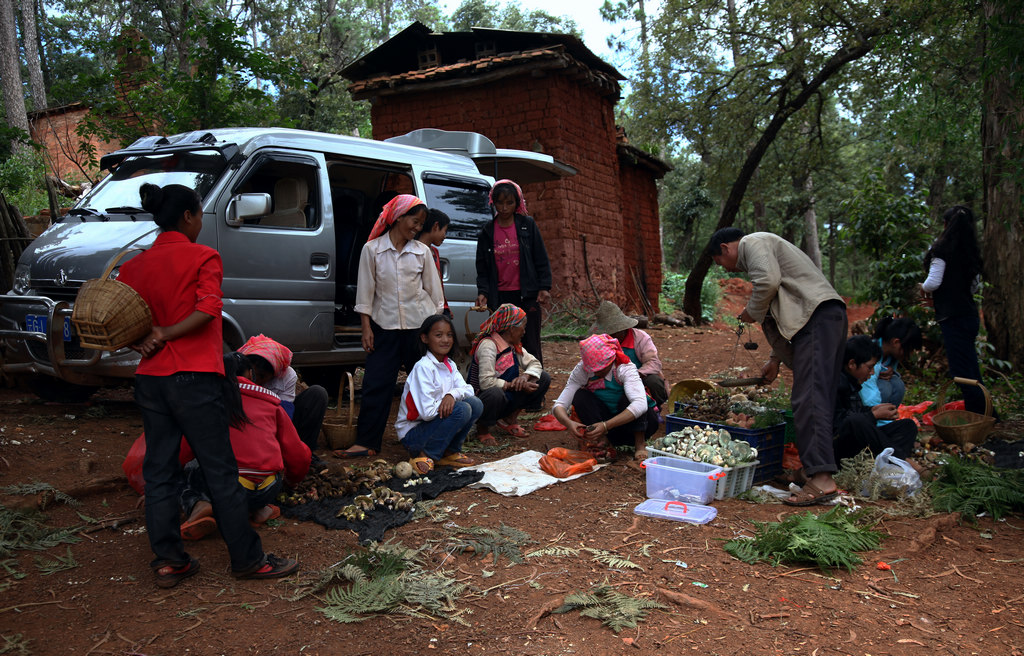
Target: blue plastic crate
x=769 y=442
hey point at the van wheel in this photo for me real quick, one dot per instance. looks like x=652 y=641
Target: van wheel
x=49 y=388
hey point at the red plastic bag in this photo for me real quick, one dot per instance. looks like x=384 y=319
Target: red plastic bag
x=132 y=465
x=548 y=423
x=562 y=463
x=926 y=419
x=791 y=458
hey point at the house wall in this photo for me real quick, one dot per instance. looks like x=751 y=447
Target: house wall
x=563 y=118
x=55 y=130
x=642 y=228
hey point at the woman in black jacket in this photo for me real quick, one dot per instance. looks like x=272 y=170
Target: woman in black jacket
x=511 y=262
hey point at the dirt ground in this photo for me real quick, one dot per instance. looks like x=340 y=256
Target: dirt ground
x=952 y=589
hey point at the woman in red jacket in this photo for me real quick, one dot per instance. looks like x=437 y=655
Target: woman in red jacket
x=266 y=445
x=178 y=387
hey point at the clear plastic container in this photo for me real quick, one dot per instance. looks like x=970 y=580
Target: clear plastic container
x=692 y=513
x=672 y=479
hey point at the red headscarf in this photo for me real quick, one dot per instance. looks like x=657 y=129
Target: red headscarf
x=599 y=351
x=396 y=208
x=504 y=317
x=277 y=354
x=521 y=207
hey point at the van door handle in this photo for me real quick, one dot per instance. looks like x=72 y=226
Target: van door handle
x=444 y=269
x=320 y=265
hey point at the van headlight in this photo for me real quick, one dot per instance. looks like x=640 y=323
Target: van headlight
x=22 y=279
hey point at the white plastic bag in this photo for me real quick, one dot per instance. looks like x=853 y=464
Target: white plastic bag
x=896 y=476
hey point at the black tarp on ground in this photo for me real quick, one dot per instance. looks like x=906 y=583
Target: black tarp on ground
x=372 y=528
x=1008 y=455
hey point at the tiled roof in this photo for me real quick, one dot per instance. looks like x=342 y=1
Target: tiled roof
x=553 y=58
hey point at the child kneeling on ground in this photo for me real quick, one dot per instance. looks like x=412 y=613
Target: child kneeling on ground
x=853 y=422
x=266 y=446
x=437 y=407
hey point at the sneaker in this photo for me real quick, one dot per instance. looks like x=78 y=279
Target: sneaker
x=271 y=568
x=169 y=576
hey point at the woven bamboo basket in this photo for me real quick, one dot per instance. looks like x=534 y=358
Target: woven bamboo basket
x=340 y=431
x=108 y=314
x=962 y=426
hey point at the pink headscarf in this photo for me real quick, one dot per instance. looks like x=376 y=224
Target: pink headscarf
x=521 y=207
x=599 y=351
x=397 y=207
x=278 y=355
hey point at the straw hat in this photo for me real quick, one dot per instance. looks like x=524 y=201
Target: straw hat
x=611 y=320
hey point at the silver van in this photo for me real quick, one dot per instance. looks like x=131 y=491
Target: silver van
x=289 y=212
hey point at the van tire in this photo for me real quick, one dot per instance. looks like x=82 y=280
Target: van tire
x=53 y=389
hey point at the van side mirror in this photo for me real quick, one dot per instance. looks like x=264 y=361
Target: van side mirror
x=247 y=206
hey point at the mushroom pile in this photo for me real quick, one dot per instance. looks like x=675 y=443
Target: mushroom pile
x=707 y=444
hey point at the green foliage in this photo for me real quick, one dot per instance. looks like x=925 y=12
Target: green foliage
x=673 y=287
x=24 y=530
x=617 y=611
x=502 y=541
x=885 y=226
x=16 y=645
x=58 y=564
x=38 y=487
x=612 y=559
x=22 y=181
x=828 y=541
x=970 y=487
x=553 y=551
x=511 y=16
x=388 y=578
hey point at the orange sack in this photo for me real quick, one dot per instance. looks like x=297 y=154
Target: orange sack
x=562 y=463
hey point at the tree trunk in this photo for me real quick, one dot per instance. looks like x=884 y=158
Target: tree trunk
x=30 y=42
x=1002 y=140
x=811 y=246
x=786 y=108
x=10 y=74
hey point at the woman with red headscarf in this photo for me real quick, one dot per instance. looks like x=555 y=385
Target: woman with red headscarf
x=609 y=398
x=398 y=287
x=505 y=376
x=512 y=264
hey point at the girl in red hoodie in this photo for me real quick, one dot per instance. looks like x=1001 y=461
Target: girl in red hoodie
x=266 y=446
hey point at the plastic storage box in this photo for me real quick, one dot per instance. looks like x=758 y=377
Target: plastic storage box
x=673 y=479
x=677 y=510
x=737 y=480
x=769 y=442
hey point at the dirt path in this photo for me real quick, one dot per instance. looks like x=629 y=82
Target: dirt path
x=952 y=589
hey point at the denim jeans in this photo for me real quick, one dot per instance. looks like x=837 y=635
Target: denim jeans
x=442 y=436
x=196 y=490
x=191 y=404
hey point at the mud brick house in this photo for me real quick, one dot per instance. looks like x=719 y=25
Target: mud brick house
x=539 y=92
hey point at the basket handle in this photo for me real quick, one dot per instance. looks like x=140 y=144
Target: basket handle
x=964 y=381
x=117 y=258
x=465 y=319
x=351 y=397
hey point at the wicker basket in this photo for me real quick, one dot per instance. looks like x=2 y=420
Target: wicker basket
x=962 y=426
x=340 y=431
x=108 y=314
x=470 y=335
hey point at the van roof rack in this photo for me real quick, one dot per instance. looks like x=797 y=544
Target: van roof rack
x=199 y=139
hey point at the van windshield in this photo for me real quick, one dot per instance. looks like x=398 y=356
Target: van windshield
x=198 y=169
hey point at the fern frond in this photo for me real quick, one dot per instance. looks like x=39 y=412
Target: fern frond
x=554 y=551
x=615 y=610
x=612 y=559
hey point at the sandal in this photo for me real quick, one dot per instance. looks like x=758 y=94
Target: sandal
x=487 y=439
x=422 y=465
x=348 y=455
x=810 y=495
x=273 y=513
x=169 y=576
x=515 y=430
x=198 y=529
x=456 y=460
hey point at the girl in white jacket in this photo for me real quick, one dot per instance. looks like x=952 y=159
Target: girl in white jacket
x=438 y=407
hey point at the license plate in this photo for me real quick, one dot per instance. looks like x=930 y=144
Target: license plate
x=37 y=323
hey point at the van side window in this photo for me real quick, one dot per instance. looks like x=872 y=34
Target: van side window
x=464 y=201
x=294 y=194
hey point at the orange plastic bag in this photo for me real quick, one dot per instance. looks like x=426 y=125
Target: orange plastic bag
x=548 y=423
x=791 y=458
x=563 y=463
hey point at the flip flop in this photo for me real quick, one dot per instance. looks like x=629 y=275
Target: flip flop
x=456 y=460
x=810 y=495
x=422 y=466
x=487 y=439
x=198 y=528
x=349 y=455
x=275 y=512
x=515 y=430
